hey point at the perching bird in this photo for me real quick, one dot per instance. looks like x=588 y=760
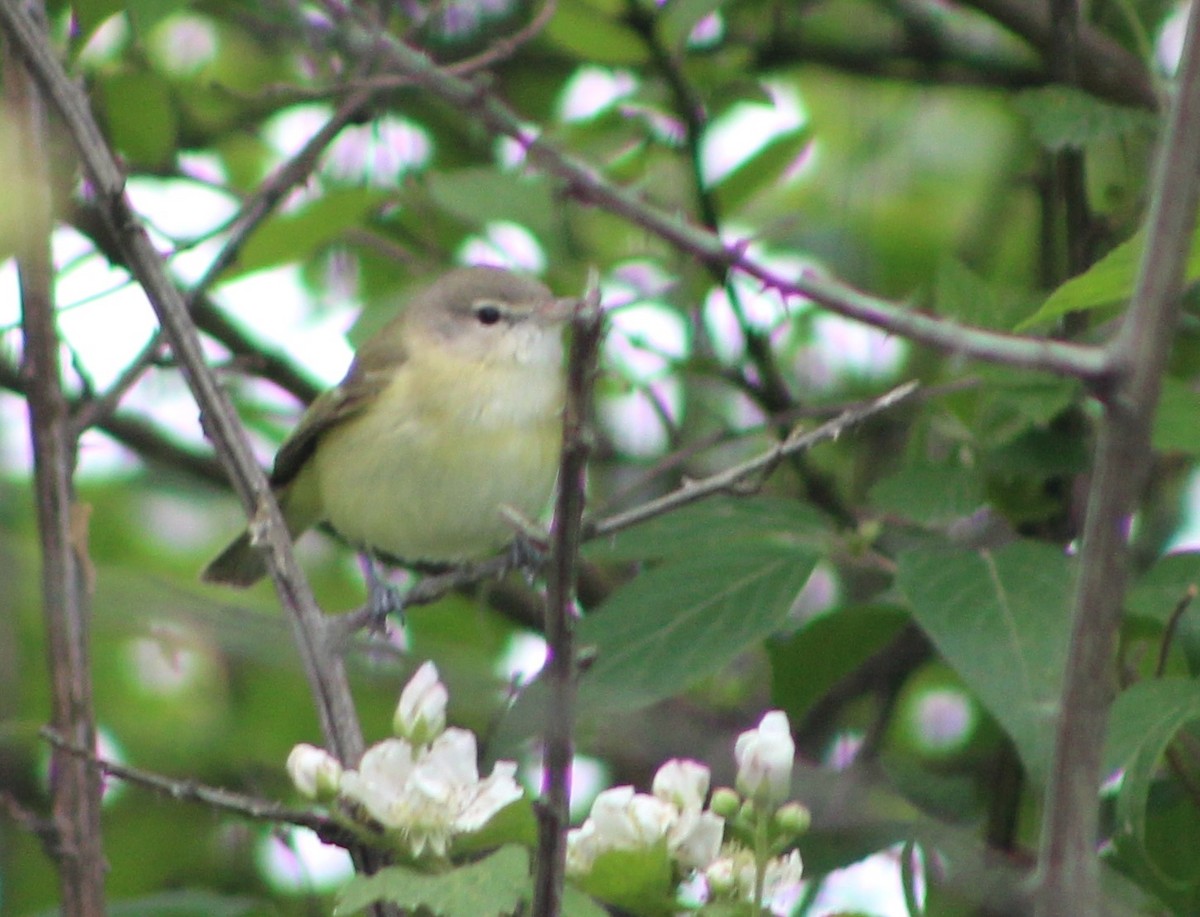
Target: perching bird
x=449 y=412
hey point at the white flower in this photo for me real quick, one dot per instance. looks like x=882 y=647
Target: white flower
x=764 y=759
x=781 y=885
x=421 y=714
x=732 y=877
x=695 y=839
x=620 y=820
x=683 y=783
x=428 y=795
x=624 y=820
x=582 y=849
x=315 y=772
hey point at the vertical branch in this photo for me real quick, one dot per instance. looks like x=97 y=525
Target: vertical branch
x=1068 y=184
x=554 y=812
x=1069 y=870
x=66 y=605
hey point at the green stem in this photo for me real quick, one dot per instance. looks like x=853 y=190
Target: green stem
x=762 y=853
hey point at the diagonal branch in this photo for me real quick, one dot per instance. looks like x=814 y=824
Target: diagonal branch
x=325 y=671
x=1089 y=364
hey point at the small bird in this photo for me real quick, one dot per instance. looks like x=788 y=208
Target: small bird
x=449 y=412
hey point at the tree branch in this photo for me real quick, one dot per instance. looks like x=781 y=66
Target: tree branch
x=1068 y=862
x=1105 y=68
x=325 y=671
x=732 y=478
x=223 y=800
x=558 y=745
x=62 y=523
x=1079 y=361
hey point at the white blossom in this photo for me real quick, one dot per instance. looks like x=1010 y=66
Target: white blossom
x=315 y=772
x=421 y=714
x=683 y=783
x=732 y=875
x=622 y=819
x=429 y=794
x=764 y=759
x=695 y=839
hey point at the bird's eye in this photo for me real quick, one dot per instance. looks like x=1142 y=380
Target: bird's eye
x=488 y=314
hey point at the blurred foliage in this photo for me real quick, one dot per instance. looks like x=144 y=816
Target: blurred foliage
x=907 y=148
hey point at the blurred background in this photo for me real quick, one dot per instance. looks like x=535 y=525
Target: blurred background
x=923 y=151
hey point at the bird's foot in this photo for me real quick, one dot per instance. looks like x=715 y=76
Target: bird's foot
x=527 y=555
x=383 y=598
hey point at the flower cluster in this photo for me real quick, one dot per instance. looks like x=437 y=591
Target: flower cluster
x=757 y=862
x=423 y=787
x=674 y=816
x=645 y=853
x=741 y=848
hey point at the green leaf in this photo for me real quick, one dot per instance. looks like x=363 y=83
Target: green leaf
x=91 y=13
x=1063 y=118
x=686 y=619
x=577 y=903
x=146 y=14
x=929 y=494
x=1000 y=619
x=1143 y=721
x=710 y=524
x=186 y=903
x=825 y=650
x=962 y=294
x=298 y=235
x=515 y=823
x=587 y=33
x=1156 y=594
x=637 y=881
x=1110 y=280
x=1107 y=282
x=1175 y=422
x=679 y=17
x=494 y=885
x=141 y=119
x=480 y=195
x=762 y=169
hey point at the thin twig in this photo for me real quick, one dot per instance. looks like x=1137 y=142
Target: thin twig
x=259 y=206
x=1087 y=363
x=1168 y=637
x=558 y=745
x=503 y=48
x=731 y=478
x=189 y=790
x=433 y=587
x=268 y=195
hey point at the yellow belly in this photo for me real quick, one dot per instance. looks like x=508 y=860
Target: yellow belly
x=428 y=485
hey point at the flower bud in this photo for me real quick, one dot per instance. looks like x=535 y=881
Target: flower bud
x=725 y=802
x=764 y=758
x=794 y=818
x=421 y=714
x=315 y=772
x=721 y=876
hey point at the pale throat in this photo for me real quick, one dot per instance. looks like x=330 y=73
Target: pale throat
x=519 y=386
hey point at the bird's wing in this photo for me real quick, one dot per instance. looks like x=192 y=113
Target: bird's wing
x=370 y=373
